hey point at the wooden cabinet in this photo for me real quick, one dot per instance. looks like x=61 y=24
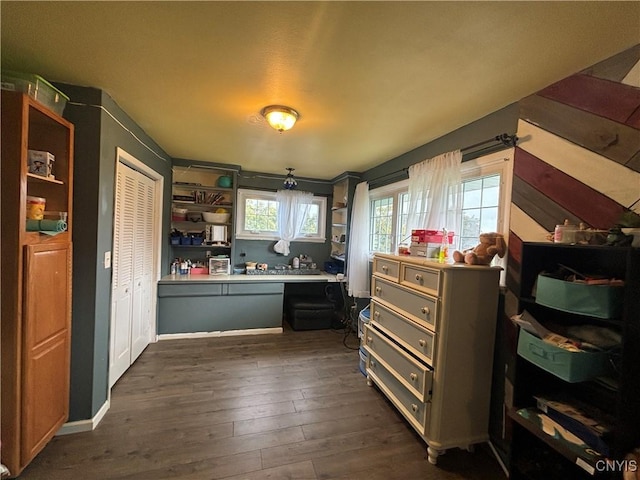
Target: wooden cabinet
x=199 y=191
x=36 y=282
x=430 y=346
x=612 y=396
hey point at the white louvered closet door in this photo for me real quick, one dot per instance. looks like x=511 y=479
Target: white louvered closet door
x=132 y=269
x=142 y=266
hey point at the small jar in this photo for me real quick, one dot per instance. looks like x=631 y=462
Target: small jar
x=565 y=233
x=296 y=262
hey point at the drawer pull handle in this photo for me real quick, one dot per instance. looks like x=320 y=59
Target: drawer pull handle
x=378 y=289
x=414 y=407
x=372 y=364
x=376 y=314
x=369 y=339
x=385 y=268
x=418 y=277
x=425 y=310
x=422 y=342
x=413 y=377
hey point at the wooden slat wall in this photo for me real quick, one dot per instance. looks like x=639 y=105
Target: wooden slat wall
x=579 y=154
x=578 y=158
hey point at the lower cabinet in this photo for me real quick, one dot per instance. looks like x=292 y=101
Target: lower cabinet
x=430 y=346
x=211 y=307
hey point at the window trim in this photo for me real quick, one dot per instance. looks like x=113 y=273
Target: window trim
x=242 y=234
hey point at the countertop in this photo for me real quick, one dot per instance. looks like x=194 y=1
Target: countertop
x=243 y=278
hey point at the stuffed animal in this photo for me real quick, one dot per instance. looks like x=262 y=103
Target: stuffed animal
x=490 y=244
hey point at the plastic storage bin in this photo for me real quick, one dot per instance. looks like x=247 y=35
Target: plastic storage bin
x=37 y=88
x=363 y=361
x=600 y=301
x=363 y=317
x=569 y=366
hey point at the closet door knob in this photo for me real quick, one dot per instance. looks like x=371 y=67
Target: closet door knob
x=413 y=377
x=422 y=342
x=418 y=277
x=425 y=310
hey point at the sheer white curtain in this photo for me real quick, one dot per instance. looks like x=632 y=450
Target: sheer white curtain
x=293 y=208
x=358 y=250
x=435 y=193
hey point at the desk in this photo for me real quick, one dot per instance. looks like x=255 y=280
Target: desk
x=215 y=305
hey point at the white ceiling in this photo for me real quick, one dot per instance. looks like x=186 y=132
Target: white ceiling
x=371 y=80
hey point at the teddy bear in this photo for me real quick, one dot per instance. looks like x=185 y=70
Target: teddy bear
x=490 y=244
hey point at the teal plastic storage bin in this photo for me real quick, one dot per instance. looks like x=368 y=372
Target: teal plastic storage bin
x=570 y=366
x=600 y=301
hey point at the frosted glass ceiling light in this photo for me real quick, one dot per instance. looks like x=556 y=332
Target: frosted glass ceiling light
x=280 y=117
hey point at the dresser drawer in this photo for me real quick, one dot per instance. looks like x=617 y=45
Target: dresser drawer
x=418 y=340
x=415 y=376
x=421 y=278
x=417 y=306
x=414 y=411
x=386 y=268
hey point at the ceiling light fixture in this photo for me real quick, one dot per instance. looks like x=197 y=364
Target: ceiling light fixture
x=290 y=182
x=280 y=117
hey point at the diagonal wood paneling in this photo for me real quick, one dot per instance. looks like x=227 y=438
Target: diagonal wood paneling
x=613 y=140
x=566 y=194
x=539 y=207
x=617 y=67
x=514 y=255
x=604 y=98
x=634 y=119
x=615 y=181
x=526 y=227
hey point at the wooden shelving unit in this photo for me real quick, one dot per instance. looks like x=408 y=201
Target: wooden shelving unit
x=36 y=282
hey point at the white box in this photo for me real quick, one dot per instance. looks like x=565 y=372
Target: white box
x=40 y=163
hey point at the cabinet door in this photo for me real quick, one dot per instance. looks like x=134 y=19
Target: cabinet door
x=46 y=348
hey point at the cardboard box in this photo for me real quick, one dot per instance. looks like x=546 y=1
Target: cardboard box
x=40 y=163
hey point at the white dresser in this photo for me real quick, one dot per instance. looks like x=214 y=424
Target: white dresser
x=430 y=346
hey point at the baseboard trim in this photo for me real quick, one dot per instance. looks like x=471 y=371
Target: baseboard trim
x=84 y=425
x=225 y=333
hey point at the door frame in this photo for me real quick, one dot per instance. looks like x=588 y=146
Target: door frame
x=123 y=157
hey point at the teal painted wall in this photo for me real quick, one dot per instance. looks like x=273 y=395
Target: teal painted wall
x=97 y=136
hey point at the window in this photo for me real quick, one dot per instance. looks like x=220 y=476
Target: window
x=486 y=183
x=388 y=217
x=257 y=217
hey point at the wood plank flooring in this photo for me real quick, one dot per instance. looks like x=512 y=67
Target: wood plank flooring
x=289 y=406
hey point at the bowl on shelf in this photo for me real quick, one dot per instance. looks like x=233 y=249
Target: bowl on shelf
x=225 y=181
x=212 y=217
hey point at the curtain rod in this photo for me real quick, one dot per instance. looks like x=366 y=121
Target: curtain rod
x=504 y=139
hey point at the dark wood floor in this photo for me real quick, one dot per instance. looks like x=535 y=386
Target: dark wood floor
x=290 y=406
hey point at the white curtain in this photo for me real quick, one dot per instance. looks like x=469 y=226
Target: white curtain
x=358 y=250
x=293 y=208
x=435 y=193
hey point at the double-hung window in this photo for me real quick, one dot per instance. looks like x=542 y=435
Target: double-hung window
x=486 y=183
x=257 y=217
